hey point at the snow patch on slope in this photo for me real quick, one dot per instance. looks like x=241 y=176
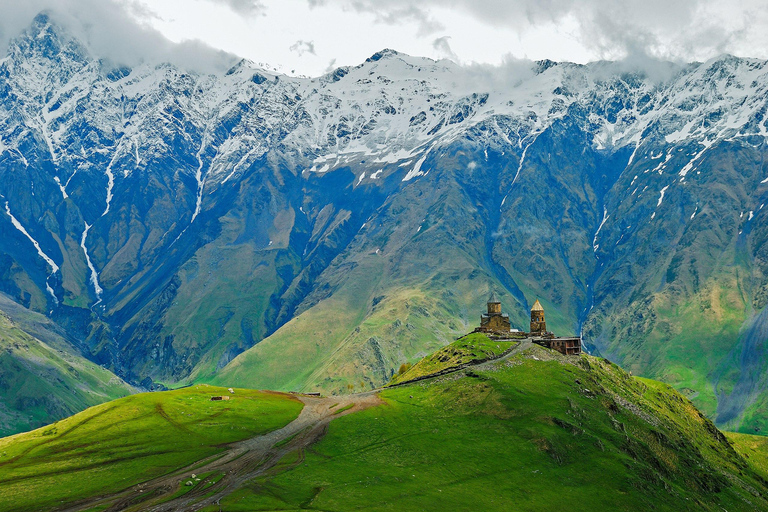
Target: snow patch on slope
x=595 y=245
x=45 y=257
x=94 y=278
x=661 y=196
x=416 y=171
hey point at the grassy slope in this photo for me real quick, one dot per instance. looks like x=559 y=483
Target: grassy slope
x=467 y=349
x=753 y=448
x=347 y=344
x=113 y=446
x=196 y=325
x=40 y=383
x=533 y=434
x=688 y=342
x=689 y=338
x=287 y=360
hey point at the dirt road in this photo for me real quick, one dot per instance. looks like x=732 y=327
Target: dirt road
x=246 y=460
x=241 y=462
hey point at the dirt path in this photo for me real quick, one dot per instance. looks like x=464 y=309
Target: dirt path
x=245 y=460
x=523 y=345
x=240 y=463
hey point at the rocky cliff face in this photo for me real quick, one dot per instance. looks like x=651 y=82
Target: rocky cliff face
x=301 y=233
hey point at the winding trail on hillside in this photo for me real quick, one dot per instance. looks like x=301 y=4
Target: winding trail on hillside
x=241 y=462
x=485 y=364
x=245 y=460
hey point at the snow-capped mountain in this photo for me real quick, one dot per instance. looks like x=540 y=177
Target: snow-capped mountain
x=332 y=228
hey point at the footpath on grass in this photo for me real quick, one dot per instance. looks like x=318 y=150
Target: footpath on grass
x=516 y=348
x=206 y=482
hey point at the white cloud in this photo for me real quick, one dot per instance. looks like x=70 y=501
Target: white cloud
x=301 y=47
x=677 y=29
x=443 y=48
x=110 y=30
x=245 y=7
x=390 y=12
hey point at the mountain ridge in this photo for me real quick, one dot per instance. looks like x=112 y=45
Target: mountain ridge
x=342 y=225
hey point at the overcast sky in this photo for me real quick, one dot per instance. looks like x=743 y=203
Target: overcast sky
x=309 y=37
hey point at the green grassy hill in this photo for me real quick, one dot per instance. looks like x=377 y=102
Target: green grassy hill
x=119 y=444
x=472 y=348
x=533 y=432
x=530 y=431
x=41 y=383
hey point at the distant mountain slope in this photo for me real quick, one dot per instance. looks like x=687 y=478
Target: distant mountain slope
x=532 y=431
x=40 y=384
x=335 y=227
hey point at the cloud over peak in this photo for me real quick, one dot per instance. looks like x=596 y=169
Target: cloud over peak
x=301 y=47
x=111 y=30
x=684 y=30
x=313 y=35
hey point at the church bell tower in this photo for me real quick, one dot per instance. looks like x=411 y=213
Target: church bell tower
x=494 y=306
x=538 y=324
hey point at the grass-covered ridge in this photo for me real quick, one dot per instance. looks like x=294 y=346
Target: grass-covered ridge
x=110 y=447
x=531 y=433
x=337 y=348
x=41 y=382
x=471 y=348
x=752 y=448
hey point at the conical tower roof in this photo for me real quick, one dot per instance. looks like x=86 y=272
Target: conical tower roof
x=493 y=299
x=537 y=306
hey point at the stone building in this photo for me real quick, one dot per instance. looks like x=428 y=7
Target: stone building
x=538 y=324
x=496 y=325
x=494 y=320
x=540 y=335
x=567 y=346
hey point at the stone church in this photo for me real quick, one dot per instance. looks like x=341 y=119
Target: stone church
x=494 y=320
x=496 y=325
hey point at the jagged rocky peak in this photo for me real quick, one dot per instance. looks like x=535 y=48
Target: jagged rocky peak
x=543 y=65
x=248 y=70
x=387 y=52
x=46 y=39
x=45 y=56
